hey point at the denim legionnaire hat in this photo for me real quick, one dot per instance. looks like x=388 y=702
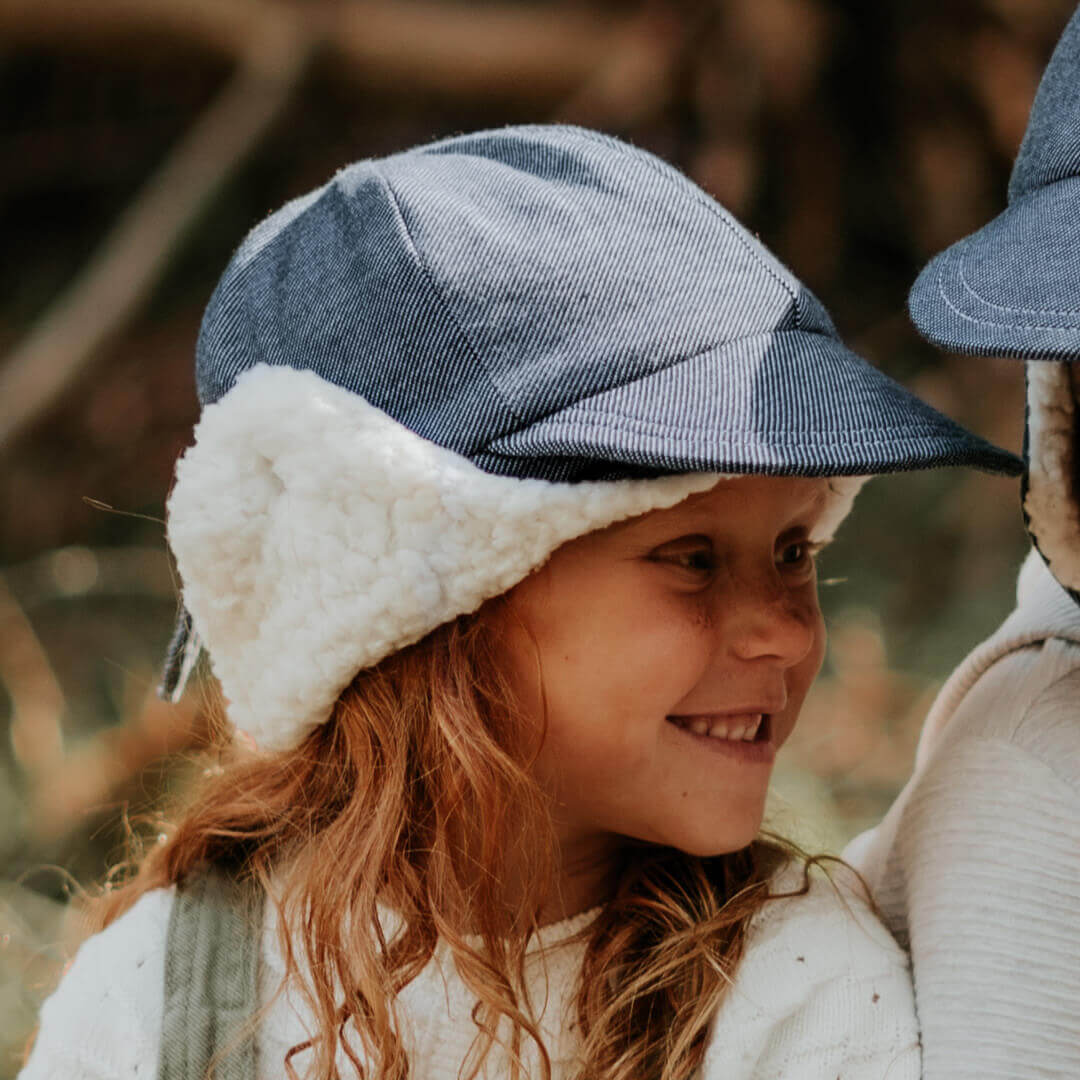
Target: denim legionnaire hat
x=1013 y=289
x=422 y=378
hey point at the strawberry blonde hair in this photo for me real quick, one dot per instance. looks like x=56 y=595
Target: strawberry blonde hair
x=417 y=794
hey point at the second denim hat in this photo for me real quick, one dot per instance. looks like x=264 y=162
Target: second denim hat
x=423 y=377
x=1012 y=288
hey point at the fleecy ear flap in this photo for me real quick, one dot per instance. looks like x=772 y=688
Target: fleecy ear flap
x=1051 y=496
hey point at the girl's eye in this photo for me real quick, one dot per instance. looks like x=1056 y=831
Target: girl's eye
x=798 y=555
x=699 y=562
x=695 y=558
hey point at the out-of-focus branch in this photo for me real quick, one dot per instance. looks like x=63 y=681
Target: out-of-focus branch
x=36 y=697
x=130 y=261
x=66 y=784
x=89 y=775
x=531 y=52
x=528 y=53
x=633 y=76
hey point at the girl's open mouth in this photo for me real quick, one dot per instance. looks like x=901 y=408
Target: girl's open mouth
x=747 y=738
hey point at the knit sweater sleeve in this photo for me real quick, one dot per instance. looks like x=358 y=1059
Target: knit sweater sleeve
x=823 y=992
x=103 y=1022
x=987 y=864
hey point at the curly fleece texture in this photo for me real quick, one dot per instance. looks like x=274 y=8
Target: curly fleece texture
x=1052 y=502
x=315 y=535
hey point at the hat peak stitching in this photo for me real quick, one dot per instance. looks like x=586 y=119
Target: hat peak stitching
x=1005 y=307
x=866 y=434
x=640 y=376
x=978 y=320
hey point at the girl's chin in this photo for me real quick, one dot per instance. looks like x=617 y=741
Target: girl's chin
x=739 y=831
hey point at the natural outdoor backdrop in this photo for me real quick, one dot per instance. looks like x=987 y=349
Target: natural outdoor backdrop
x=141 y=138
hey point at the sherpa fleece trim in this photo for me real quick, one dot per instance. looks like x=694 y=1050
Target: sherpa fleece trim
x=315 y=535
x=1052 y=502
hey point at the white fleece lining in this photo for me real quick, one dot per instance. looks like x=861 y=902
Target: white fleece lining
x=315 y=535
x=1052 y=502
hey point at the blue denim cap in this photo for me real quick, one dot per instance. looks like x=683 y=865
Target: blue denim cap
x=1013 y=287
x=551 y=302
x=541 y=304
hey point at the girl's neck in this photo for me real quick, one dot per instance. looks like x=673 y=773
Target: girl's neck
x=588 y=876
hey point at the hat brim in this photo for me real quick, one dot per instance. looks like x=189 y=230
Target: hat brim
x=1013 y=287
x=740 y=409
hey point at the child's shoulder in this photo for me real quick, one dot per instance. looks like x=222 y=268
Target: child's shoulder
x=822 y=925
x=822 y=990
x=104 y=1018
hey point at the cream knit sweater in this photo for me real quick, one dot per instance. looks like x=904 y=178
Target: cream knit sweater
x=823 y=992
x=977 y=864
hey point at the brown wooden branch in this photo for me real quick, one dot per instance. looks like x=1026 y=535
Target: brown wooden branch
x=91 y=775
x=633 y=76
x=532 y=52
x=133 y=256
x=37 y=699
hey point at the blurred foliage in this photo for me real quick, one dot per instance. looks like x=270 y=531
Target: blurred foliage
x=856 y=138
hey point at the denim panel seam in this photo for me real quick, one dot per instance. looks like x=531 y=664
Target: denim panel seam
x=444 y=303
x=709 y=204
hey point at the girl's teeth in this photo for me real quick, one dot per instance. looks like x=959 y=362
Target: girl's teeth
x=734 y=728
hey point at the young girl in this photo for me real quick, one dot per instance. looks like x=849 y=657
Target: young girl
x=499 y=529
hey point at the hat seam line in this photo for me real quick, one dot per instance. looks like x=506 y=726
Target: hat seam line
x=694 y=195
x=442 y=300
x=998 y=307
x=710 y=204
x=1005 y=308
x=599 y=420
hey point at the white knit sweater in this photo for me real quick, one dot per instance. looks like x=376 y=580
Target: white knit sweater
x=977 y=864
x=823 y=992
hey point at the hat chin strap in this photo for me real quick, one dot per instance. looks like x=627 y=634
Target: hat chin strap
x=1052 y=488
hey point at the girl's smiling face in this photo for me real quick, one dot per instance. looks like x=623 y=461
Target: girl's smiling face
x=702 y=615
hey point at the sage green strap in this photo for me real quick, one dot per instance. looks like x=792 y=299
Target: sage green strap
x=211 y=968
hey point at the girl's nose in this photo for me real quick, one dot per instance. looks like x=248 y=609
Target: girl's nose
x=769 y=620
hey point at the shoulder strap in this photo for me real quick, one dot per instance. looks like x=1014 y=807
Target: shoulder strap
x=211 y=967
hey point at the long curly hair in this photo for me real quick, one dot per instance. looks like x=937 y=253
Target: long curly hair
x=418 y=794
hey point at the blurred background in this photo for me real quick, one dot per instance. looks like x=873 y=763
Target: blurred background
x=141 y=139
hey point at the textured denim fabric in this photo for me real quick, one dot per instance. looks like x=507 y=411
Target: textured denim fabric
x=1013 y=287
x=551 y=302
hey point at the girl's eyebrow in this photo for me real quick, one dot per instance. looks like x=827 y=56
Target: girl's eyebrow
x=816 y=503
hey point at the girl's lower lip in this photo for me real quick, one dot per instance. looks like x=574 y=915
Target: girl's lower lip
x=758 y=752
